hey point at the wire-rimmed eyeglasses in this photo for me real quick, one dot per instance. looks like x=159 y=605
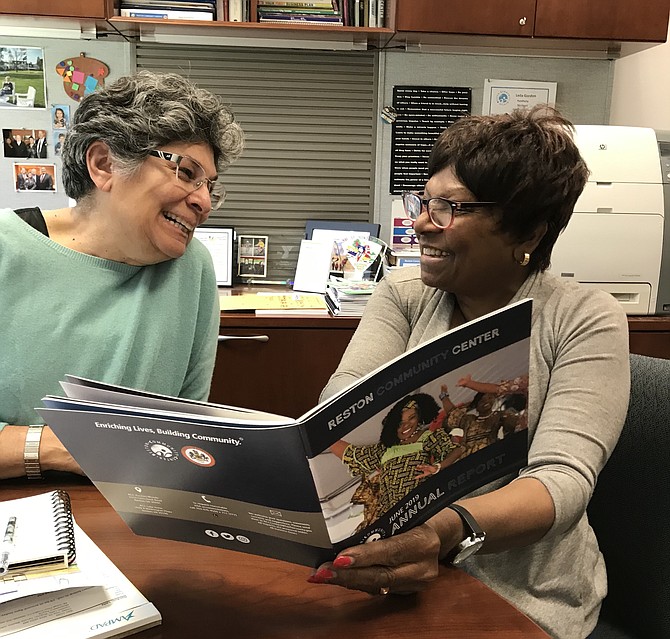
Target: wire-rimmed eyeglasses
x=191 y=175
x=440 y=210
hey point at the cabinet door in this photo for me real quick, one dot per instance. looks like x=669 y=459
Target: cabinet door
x=640 y=20
x=649 y=335
x=283 y=372
x=486 y=17
x=60 y=8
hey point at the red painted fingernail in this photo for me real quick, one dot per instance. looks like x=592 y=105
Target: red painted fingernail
x=322 y=576
x=324 y=573
x=343 y=562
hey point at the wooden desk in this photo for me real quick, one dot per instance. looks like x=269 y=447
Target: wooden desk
x=282 y=363
x=209 y=592
x=286 y=372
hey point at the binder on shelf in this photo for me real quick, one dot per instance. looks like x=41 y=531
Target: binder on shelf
x=235 y=11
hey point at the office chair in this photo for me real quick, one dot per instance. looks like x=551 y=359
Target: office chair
x=630 y=512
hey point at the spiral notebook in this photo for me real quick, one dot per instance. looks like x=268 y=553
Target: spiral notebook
x=43 y=533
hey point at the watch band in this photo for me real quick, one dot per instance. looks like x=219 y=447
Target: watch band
x=470 y=523
x=31 y=452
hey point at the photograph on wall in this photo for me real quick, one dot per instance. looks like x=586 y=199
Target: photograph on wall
x=58 y=139
x=252 y=251
x=60 y=116
x=34 y=177
x=22 y=76
x=25 y=143
x=219 y=241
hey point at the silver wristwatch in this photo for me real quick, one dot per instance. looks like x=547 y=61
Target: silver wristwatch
x=474 y=539
x=31 y=452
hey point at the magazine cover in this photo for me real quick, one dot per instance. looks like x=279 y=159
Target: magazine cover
x=383 y=455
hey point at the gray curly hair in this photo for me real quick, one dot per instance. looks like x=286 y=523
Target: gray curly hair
x=141 y=112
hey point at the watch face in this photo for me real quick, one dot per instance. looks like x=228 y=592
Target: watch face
x=467 y=548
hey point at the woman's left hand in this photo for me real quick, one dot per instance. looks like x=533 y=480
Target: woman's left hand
x=403 y=564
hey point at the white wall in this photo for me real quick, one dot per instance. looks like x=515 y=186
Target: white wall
x=641 y=91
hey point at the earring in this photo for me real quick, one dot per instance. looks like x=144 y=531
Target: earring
x=525 y=260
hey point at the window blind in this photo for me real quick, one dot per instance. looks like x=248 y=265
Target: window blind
x=309 y=120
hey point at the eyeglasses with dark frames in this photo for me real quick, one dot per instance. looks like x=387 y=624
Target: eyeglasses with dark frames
x=191 y=175
x=440 y=210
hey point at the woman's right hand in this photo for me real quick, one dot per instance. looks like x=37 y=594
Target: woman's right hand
x=405 y=563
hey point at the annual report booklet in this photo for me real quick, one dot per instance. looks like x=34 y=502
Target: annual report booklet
x=379 y=457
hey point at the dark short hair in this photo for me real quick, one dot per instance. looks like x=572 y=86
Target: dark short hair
x=527 y=161
x=427 y=410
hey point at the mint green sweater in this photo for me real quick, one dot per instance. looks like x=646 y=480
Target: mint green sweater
x=148 y=327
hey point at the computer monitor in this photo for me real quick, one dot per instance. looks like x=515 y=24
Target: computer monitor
x=338 y=225
x=219 y=241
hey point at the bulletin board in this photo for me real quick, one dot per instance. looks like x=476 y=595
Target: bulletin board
x=46 y=116
x=422 y=113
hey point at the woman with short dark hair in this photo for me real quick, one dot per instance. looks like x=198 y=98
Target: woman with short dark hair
x=500 y=190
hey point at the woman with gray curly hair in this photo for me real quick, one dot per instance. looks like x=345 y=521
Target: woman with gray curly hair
x=114 y=288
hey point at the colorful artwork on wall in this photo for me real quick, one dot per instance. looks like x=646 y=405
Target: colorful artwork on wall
x=82 y=75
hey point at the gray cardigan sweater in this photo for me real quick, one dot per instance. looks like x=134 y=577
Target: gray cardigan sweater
x=578 y=396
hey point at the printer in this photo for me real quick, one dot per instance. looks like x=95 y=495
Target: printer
x=615 y=238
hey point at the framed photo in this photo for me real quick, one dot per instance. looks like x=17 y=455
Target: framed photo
x=60 y=117
x=22 y=77
x=25 y=143
x=219 y=241
x=58 y=139
x=252 y=255
x=34 y=177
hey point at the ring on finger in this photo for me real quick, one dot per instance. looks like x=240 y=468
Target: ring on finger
x=384 y=591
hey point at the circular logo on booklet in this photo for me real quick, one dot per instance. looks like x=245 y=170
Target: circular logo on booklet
x=374 y=535
x=198 y=456
x=161 y=450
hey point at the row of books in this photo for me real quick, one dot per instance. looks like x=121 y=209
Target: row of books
x=170 y=9
x=349 y=13
x=353 y=13
x=308 y=12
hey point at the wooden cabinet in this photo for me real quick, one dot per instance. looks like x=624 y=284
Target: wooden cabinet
x=277 y=364
x=650 y=336
x=98 y=9
x=638 y=20
x=482 y=17
x=635 y=20
x=281 y=364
